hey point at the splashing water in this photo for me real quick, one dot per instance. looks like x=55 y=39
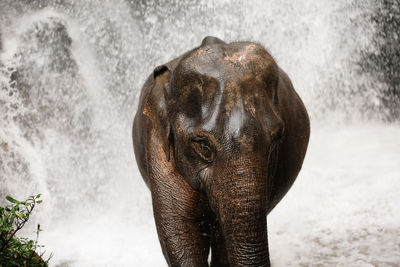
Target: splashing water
x=70 y=76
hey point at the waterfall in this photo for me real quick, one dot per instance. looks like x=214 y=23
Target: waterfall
x=70 y=77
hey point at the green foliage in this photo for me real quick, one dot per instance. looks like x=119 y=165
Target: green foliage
x=19 y=251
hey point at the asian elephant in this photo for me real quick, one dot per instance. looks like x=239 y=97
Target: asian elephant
x=219 y=137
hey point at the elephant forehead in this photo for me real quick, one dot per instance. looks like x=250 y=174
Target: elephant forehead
x=228 y=104
x=220 y=88
x=231 y=117
x=220 y=73
x=227 y=61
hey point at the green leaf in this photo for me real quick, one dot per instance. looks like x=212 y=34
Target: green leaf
x=38 y=195
x=19 y=214
x=4 y=229
x=39 y=201
x=12 y=200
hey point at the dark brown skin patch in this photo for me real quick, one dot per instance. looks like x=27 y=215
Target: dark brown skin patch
x=219 y=136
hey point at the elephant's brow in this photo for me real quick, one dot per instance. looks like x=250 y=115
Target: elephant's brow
x=206 y=80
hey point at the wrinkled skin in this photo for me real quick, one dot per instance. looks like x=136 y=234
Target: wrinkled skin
x=219 y=137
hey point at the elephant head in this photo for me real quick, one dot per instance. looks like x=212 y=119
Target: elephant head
x=217 y=116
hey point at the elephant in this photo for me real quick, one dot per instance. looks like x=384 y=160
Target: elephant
x=219 y=137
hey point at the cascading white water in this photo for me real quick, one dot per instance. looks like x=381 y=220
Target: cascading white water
x=70 y=75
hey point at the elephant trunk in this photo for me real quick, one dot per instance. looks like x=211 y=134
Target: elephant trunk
x=239 y=200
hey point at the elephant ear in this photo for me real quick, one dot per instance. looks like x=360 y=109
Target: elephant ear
x=272 y=119
x=273 y=83
x=156 y=106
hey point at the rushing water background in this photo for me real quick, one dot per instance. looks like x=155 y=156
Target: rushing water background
x=70 y=76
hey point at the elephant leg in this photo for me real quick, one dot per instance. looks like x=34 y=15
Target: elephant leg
x=183 y=239
x=219 y=255
x=178 y=211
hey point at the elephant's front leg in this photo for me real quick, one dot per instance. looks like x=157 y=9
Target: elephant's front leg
x=219 y=255
x=178 y=211
x=183 y=239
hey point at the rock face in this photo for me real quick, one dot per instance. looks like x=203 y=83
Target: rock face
x=58 y=90
x=383 y=63
x=48 y=81
x=4 y=146
x=43 y=99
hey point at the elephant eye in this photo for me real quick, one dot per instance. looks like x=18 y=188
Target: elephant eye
x=203 y=149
